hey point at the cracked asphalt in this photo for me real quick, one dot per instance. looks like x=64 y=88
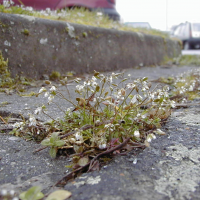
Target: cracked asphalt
x=168 y=170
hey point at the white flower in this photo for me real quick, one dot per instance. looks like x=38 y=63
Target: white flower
x=12 y=192
x=191 y=88
x=80 y=88
x=109 y=125
x=173 y=104
x=4 y=192
x=130 y=85
x=43 y=89
x=137 y=133
x=18 y=124
x=15 y=198
x=38 y=111
x=46 y=94
x=6 y=3
x=102 y=146
x=78 y=136
x=53 y=88
x=94 y=78
x=32 y=120
x=133 y=100
x=150 y=137
x=50 y=98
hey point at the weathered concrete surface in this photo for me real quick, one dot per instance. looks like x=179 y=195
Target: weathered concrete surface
x=168 y=170
x=36 y=46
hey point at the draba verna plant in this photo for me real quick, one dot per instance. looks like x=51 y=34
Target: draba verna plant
x=107 y=111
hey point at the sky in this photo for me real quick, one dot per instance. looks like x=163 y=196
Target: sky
x=161 y=14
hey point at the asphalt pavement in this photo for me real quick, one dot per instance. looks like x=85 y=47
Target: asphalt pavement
x=169 y=169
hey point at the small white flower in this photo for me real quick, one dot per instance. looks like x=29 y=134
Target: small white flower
x=46 y=94
x=173 y=104
x=137 y=133
x=191 y=88
x=53 y=88
x=80 y=88
x=109 y=125
x=32 y=120
x=102 y=146
x=78 y=136
x=130 y=85
x=18 y=124
x=12 y=192
x=4 y=192
x=94 y=79
x=15 y=198
x=38 y=111
x=150 y=137
x=6 y=3
x=133 y=100
x=43 y=89
x=50 y=98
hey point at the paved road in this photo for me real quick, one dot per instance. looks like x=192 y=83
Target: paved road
x=191 y=52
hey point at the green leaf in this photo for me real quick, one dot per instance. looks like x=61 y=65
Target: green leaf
x=145 y=79
x=34 y=193
x=59 y=195
x=46 y=142
x=52 y=141
x=59 y=143
x=54 y=135
x=53 y=152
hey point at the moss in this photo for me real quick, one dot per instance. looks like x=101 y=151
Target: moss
x=25 y=32
x=84 y=34
x=191 y=60
x=5 y=78
x=55 y=76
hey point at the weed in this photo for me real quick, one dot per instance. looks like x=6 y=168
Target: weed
x=105 y=112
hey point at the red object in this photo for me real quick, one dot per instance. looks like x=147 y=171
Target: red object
x=107 y=6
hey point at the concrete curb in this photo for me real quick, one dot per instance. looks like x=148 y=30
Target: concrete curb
x=36 y=47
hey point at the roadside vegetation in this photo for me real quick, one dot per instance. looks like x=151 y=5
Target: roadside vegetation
x=77 y=15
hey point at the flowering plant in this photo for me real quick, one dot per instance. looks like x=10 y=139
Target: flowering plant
x=106 y=111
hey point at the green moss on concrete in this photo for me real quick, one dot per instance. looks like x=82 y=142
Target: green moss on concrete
x=5 y=78
x=55 y=76
x=25 y=32
x=84 y=34
x=191 y=60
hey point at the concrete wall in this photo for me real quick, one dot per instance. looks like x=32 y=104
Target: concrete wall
x=36 y=46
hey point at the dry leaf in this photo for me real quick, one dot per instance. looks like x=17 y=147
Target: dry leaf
x=83 y=161
x=146 y=143
x=59 y=195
